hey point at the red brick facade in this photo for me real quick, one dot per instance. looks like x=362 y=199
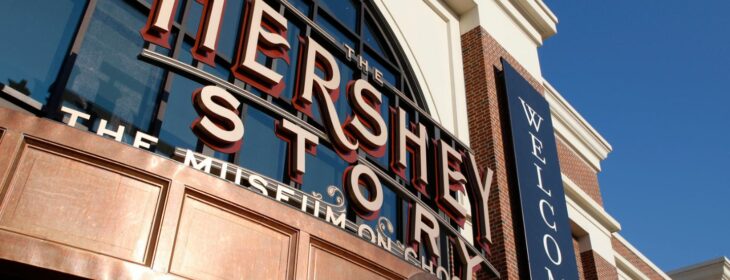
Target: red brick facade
x=578 y=259
x=635 y=260
x=485 y=108
x=596 y=267
x=481 y=56
x=579 y=171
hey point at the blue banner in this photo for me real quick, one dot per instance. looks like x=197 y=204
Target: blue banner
x=544 y=213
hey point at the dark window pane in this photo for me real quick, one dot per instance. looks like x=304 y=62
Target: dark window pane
x=179 y=115
x=335 y=32
x=229 y=31
x=229 y=27
x=192 y=18
x=323 y=170
x=107 y=79
x=289 y=71
x=302 y=5
x=36 y=37
x=389 y=210
x=341 y=105
x=374 y=40
x=344 y=10
x=219 y=71
x=262 y=150
x=388 y=75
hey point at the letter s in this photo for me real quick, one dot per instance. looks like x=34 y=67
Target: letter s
x=219 y=125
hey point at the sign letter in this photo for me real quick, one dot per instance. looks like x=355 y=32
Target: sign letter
x=265 y=32
x=220 y=126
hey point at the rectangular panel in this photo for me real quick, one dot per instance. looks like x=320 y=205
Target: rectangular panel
x=216 y=243
x=328 y=263
x=542 y=198
x=63 y=197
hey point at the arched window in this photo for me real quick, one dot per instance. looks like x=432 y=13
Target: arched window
x=102 y=66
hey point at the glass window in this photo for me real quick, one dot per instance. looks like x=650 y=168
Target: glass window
x=389 y=210
x=376 y=43
x=344 y=10
x=262 y=151
x=388 y=75
x=219 y=70
x=108 y=80
x=229 y=27
x=347 y=74
x=342 y=38
x=36 y=37
x=192 y=18
x=179 y=115
x=301 y=5
x=323 y=170
x=289 y=71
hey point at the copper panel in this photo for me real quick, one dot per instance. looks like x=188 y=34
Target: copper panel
x=326 y=262
x=24 y=249
x=217 y=243
x=58 y=195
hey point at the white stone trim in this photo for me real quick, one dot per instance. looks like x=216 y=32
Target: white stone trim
x=577 y=132
x=586 y=203
x=641 y=256
x=629 y=269
x=539 y=15
x=711 y=269
x=534 y=17
x=453 y=118
x=591 y=234
x=520 y=19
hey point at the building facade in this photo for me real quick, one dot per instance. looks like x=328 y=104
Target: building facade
x=295 y=139
x=712 y=269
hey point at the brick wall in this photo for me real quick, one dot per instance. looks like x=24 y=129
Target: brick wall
x=481 y=56
x=596 y=267
x=635 y=260
x=578 y=171
x=578 y=259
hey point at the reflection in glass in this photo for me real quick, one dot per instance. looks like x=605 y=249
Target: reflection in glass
x=347 y=74
x=301 y=5
x=36 y=37
x=389 y=210
x=344 y=10
x=388 y=75
x=289 y=71
x=229 y=27
x=108 y=80
x=179 y=115
x=373 y=41
x=331 y=29
x=323 y=170
x=262 y=151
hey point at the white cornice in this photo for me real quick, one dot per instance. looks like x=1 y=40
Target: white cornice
x=641 y=256
x=624 y=265
x=460 y=7
x=539 y=15
x=521 y=20
x=532 y=16
x=573 y=128
x=586 y=203
x=718 y=268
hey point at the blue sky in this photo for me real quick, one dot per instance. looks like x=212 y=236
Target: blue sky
x=653 y=77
